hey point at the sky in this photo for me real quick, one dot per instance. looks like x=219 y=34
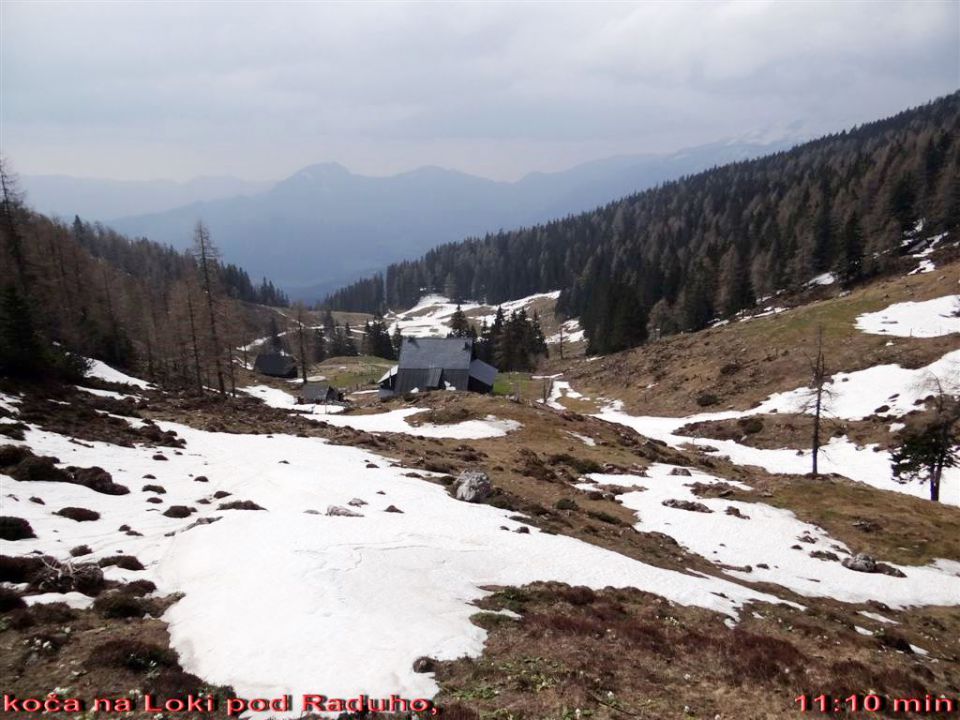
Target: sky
x=144 y=90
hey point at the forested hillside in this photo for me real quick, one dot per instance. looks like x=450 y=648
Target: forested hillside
x=675 y=257
x=87 y=290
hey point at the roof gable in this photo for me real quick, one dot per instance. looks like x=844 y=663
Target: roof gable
x=447 y=353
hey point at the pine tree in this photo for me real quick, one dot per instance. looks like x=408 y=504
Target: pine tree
x=850 y=262
x=928 y=447
x=459 y=325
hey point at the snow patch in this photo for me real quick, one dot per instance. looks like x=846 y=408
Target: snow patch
x=929 y=318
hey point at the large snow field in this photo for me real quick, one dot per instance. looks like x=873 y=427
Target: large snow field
x=771 y=536
x=929 y=318
x=394 y=421
x=284 y=601
x=853 y=396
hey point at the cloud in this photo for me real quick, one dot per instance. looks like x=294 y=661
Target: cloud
x=145 y=89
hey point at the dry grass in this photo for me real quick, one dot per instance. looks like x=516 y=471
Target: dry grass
x=618 y=653
x=744 y=362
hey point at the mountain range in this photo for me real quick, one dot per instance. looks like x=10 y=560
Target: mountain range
x=325 y=226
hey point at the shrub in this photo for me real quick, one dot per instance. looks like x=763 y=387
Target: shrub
x=578 y=595
x=178 y=511
x=10 y=600
x=85 y=578
x=159 y=489
x=127 y=562
x=40 y=469
x=139 y=588
x=706 y=399
x=239 y=505
x=14 y=528
x=758 y=657
x=565 y=504
x=80 y=550
x=10 y=455
x=19 y=569
x=134 y=655
x=120 y=605
x=750 y=425
x=14 y=431
x=98 y=480
x=79 y=514
x=52 y=613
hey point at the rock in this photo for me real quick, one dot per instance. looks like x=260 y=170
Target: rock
x=158 y=456
x=393 y=509
x=731 y=510
x=178 y=511
x=523 y=530
x=37 y=500
x=861 y=563
x=154 y=499
x=201 y=478
x=338 y=511
x=357 y=502
x=424 y=664
x=680 y=471
x=312 y=512
x=867 y=526
x=687 y=505
x=473 y=486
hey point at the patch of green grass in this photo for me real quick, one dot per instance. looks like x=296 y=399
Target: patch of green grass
x=349 y=372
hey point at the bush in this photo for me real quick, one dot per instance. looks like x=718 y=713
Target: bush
x=14 y=528
x=127 y=562
x=706 y=399
x=178 y=511
x=10 y=600
x=79 y=514
x=85 y=578
x=52 y=613
x=120 y=605
x=239 y=505
x=98 y=480
x=750 y=425
x=10 y=455
x=139 y=588
x=15 y=430
x=19 y=569
x=80 y=550
x=565 y=504
x=40 y=469
x=134 y=655
x=159 y=489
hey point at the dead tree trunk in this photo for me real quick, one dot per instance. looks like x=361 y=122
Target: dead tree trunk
x=206 y=256
x=819 y=373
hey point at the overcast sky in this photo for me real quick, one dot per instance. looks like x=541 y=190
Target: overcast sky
x=178 y=89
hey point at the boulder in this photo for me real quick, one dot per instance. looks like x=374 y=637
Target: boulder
x=473 y=486
x=680 y=471
x=338 y=511
x=861 y=563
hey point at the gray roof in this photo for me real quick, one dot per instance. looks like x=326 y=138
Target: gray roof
x=483 y=372
x=275 y=364
x=446 y=353
x=314 y=391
